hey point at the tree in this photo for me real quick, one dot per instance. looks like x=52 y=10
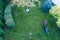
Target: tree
x=10 y=22
x=8 y=16
x=47 y=5
x=55 y=11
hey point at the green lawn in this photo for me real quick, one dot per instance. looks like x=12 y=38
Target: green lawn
x=31 y=22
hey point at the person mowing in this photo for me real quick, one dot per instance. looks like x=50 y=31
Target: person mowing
x=45 y=26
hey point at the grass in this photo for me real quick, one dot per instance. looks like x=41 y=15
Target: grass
x=31 y=22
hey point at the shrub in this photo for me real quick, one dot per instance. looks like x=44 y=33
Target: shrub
x=47 y=5
x=55 y=11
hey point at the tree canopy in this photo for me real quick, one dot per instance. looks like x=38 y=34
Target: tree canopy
x=55 y=11
x=47 y=5
x=8 y=16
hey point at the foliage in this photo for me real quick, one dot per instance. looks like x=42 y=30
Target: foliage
x=1 y=15
x=1 y=4
x=10 y=22
x=1 y=32
x=58 y=23
x=47 y=5
x=1 y=24
x=31 y=0
x=8 y=9
x=7 y=2
x=55 y=11
x=0 y=12
x=38 y=4
x=1 y=38
x=8 y=16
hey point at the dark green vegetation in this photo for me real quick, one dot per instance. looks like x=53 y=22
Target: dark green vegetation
x=1 y=38
x=31 y=22
x=1 y=5
x=1 y=19
x=1 y=12
x=7 y=2
x=27 y=23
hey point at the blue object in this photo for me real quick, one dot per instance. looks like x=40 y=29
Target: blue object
x=45 y=27
x=47 y=5
x=46 y=30
x=44 y=22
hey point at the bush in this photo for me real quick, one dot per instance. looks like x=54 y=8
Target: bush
x=55 y=11
x=47 y=5
x=1 y=32
x=1 y=38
